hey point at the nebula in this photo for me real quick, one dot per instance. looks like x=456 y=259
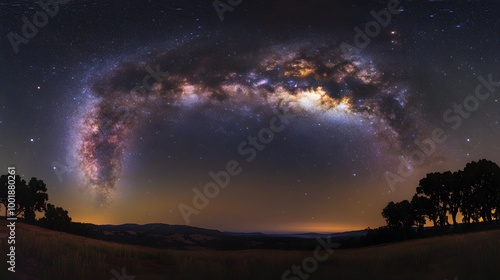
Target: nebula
x=308 y=78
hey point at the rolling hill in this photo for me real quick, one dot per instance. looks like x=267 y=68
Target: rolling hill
x=45 y=254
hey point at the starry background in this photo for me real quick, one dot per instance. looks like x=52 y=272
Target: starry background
x=109 y=155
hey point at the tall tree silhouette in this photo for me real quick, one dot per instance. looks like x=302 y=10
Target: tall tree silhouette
x=451 y=183
x=433 y=186
x=467 y=201
x=35 y=198
x=483 y=178
x=423 y=209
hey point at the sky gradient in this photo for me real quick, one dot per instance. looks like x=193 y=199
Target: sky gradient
x=75 y=110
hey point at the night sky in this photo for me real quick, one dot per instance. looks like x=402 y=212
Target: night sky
x=331 y=122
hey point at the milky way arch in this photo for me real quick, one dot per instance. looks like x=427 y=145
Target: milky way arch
x=308 y=78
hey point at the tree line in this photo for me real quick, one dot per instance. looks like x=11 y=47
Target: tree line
x=32 y=197
x=474 y=192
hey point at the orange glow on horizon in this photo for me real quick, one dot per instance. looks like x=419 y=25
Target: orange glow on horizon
x=316 y=228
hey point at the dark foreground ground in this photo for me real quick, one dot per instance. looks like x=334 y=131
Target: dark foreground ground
x=46 y=254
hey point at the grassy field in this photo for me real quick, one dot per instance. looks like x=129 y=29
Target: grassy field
x=45 y=254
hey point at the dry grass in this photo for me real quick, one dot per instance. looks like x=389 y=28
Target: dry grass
x=45 y=254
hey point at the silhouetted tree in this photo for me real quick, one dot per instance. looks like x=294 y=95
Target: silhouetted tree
x=433 y=186
x=30 y=197
x=398 y=215
x=451 y=183
x=467 y=203
x=474 y=192
x=34 y=198
x=390 y=215
x=56 y=217
x=422 y=209
x=483 y=178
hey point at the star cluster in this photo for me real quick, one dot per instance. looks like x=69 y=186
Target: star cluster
x=316 y=80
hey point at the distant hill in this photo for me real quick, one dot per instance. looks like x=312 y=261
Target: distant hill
x=187 y=237
x=159 y=235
